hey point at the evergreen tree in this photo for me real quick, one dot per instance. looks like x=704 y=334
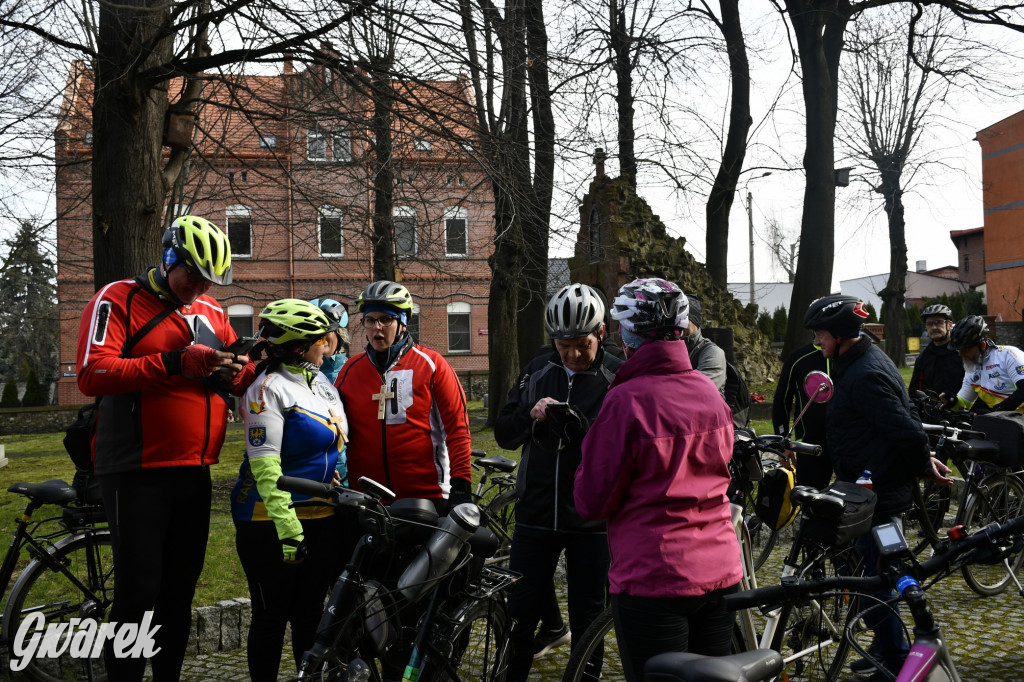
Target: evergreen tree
x=28 y=309
x=872 y=313
x=10 y=396
x=34 y=396
x=781 y=319
x=766 y=324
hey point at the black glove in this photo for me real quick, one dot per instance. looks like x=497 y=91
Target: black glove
x=460 y=492
x=294 y=550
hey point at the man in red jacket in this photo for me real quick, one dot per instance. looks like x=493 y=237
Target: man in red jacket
x=405 y=406
x=150 y=348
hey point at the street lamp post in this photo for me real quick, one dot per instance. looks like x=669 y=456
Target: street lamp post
x=750 y=225
x=750 y=228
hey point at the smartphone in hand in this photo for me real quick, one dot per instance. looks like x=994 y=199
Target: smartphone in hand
x=241 y=346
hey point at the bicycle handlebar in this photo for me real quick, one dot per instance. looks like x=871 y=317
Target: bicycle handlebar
x=803 y=448
x=795 y=589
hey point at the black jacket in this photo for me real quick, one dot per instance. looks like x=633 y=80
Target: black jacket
x=872 y=425
x=547 y=473
x=790 y=400
x=939 y=369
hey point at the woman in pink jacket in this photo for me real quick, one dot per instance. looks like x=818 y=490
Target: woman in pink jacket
x=655 y=466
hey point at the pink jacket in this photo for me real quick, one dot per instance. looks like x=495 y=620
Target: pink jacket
x=655 y=465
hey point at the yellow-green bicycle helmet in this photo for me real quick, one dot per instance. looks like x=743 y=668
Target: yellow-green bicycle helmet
x=292 y=319
x=201 y=245
x=386 y=293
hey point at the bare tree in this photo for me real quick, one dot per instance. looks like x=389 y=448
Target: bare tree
x=784 y=248
x=893 y=104
x=819 y=28
x=134 y=50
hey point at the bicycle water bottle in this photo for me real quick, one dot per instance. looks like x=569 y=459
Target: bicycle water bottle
x=865 y=479
x=441 y=550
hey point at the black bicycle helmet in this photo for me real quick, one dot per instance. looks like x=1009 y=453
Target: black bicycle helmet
x=575 y=311
x=968 y=332
x=937 y=309
x=840 y=315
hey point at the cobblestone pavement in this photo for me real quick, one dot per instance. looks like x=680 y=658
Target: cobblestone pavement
x=986 y=636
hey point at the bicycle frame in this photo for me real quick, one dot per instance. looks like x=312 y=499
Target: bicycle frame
x=43 y=548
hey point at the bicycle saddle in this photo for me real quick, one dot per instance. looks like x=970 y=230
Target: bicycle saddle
x=759 y=664
x=817 y=504
x=499 y=462
x=54 y=491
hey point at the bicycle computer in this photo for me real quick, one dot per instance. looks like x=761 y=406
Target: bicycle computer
x=889 y=539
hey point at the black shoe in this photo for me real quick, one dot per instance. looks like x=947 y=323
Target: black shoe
x=546 y=640
x=863 y=666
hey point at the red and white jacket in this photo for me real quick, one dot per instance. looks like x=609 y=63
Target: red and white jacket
x=146 y=418
x=423 y=440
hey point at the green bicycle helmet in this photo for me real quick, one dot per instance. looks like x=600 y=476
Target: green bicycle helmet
x=292 y=319
x=199 y=244
x=386 y=293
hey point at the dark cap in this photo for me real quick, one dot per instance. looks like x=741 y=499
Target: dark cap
x=696 y=316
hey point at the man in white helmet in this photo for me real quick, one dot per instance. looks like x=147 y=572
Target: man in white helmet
x=547 y=413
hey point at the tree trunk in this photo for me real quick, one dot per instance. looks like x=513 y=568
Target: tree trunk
x=501 y=311
x=724 y=190
x=128 y=190
x=894 y=294
x=536 y=226
x=620 y=44
x=818 y=27
x=383 y=235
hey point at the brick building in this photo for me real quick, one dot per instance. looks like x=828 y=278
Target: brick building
x=970 y=255
x=1002 y=173
x=283 y=164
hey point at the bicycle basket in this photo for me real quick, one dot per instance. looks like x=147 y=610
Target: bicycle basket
x=773 y=505
x=858 y=509
x=1006 y=429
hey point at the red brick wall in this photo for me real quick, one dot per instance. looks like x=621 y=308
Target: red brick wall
x=283 y=196
x=1002 y=149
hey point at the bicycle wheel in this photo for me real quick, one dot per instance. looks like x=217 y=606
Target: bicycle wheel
x=600 y=633
x=500 y=517
x=479 y=644
x=1001 y=501
x=51 y=593
x=810 y=635
x=936 y=500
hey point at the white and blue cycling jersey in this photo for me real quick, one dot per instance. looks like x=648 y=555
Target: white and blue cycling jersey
x=289 y=414
x=995 y=378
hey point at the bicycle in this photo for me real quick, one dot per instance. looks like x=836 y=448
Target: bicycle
x=990 y=493
x=929 y=659
x=497 y=501
x=456 y=607
x=69 y=575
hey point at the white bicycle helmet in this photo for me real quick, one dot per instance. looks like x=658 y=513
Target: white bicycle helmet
x=651 y=308
x=575 y=311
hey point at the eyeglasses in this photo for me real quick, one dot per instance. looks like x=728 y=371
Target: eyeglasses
x=384 y=321
x=194 y=277
x=936 y=323
x=322 y=341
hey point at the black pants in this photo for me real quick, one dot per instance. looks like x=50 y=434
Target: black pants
x=648 y=626
x=535 y=555
x=284 y=593
x=159 y=523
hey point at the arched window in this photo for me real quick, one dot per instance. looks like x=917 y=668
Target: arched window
x=240 y=317
x=456 y=232
x=405 y=231
x=238 y=219
x=458 y=328
x=329 y=228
